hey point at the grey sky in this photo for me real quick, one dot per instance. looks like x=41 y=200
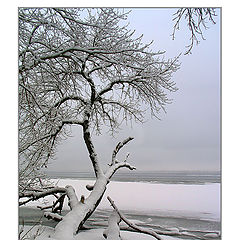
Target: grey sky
x=188 y=136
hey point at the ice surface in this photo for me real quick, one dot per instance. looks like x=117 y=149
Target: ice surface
x=197 y=201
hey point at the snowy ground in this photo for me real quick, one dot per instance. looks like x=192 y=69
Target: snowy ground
x=41 y=233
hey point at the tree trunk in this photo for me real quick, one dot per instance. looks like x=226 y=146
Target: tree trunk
x=69 y=226
x=81 y=211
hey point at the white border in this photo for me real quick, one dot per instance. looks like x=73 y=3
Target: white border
x=230 y=104
x=122 y=3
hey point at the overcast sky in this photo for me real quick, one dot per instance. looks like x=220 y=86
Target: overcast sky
x=188 y=136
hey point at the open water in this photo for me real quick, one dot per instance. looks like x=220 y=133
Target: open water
x=167 y=177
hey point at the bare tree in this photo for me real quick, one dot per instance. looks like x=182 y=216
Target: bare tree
x=82 y=67
x=197 y=19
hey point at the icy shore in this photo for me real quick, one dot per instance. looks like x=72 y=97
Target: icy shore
x=170 y=205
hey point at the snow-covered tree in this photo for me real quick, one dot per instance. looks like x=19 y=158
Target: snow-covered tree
x=82 y=67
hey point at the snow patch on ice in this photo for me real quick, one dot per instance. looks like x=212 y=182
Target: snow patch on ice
x=191 y=201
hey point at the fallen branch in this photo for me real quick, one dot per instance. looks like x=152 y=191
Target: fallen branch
x=54 y=206
x=32 y=195
x=132 y=225
x=180 y=232
x=36 y=195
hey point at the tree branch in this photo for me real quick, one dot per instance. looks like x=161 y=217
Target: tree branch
x=72 y=197
x=196 y=19
x=118 y=148
x=33 y=195
x=109 y=173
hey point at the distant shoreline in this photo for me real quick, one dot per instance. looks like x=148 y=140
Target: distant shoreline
x=166 y=177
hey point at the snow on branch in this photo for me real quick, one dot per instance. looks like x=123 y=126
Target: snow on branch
x=68 y=190
x=113 y=230
x=83 y=67
x=90 y=63
x=53 y=216
x=109 y=173
x=118 y=148
x=115 y=165
x=73 y=200
x=197 y=19
x=33 y=195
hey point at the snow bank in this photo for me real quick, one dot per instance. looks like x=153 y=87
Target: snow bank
x=200 y=201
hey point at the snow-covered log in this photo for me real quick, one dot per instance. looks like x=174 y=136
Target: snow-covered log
x=113 y=230
x=74 y=220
